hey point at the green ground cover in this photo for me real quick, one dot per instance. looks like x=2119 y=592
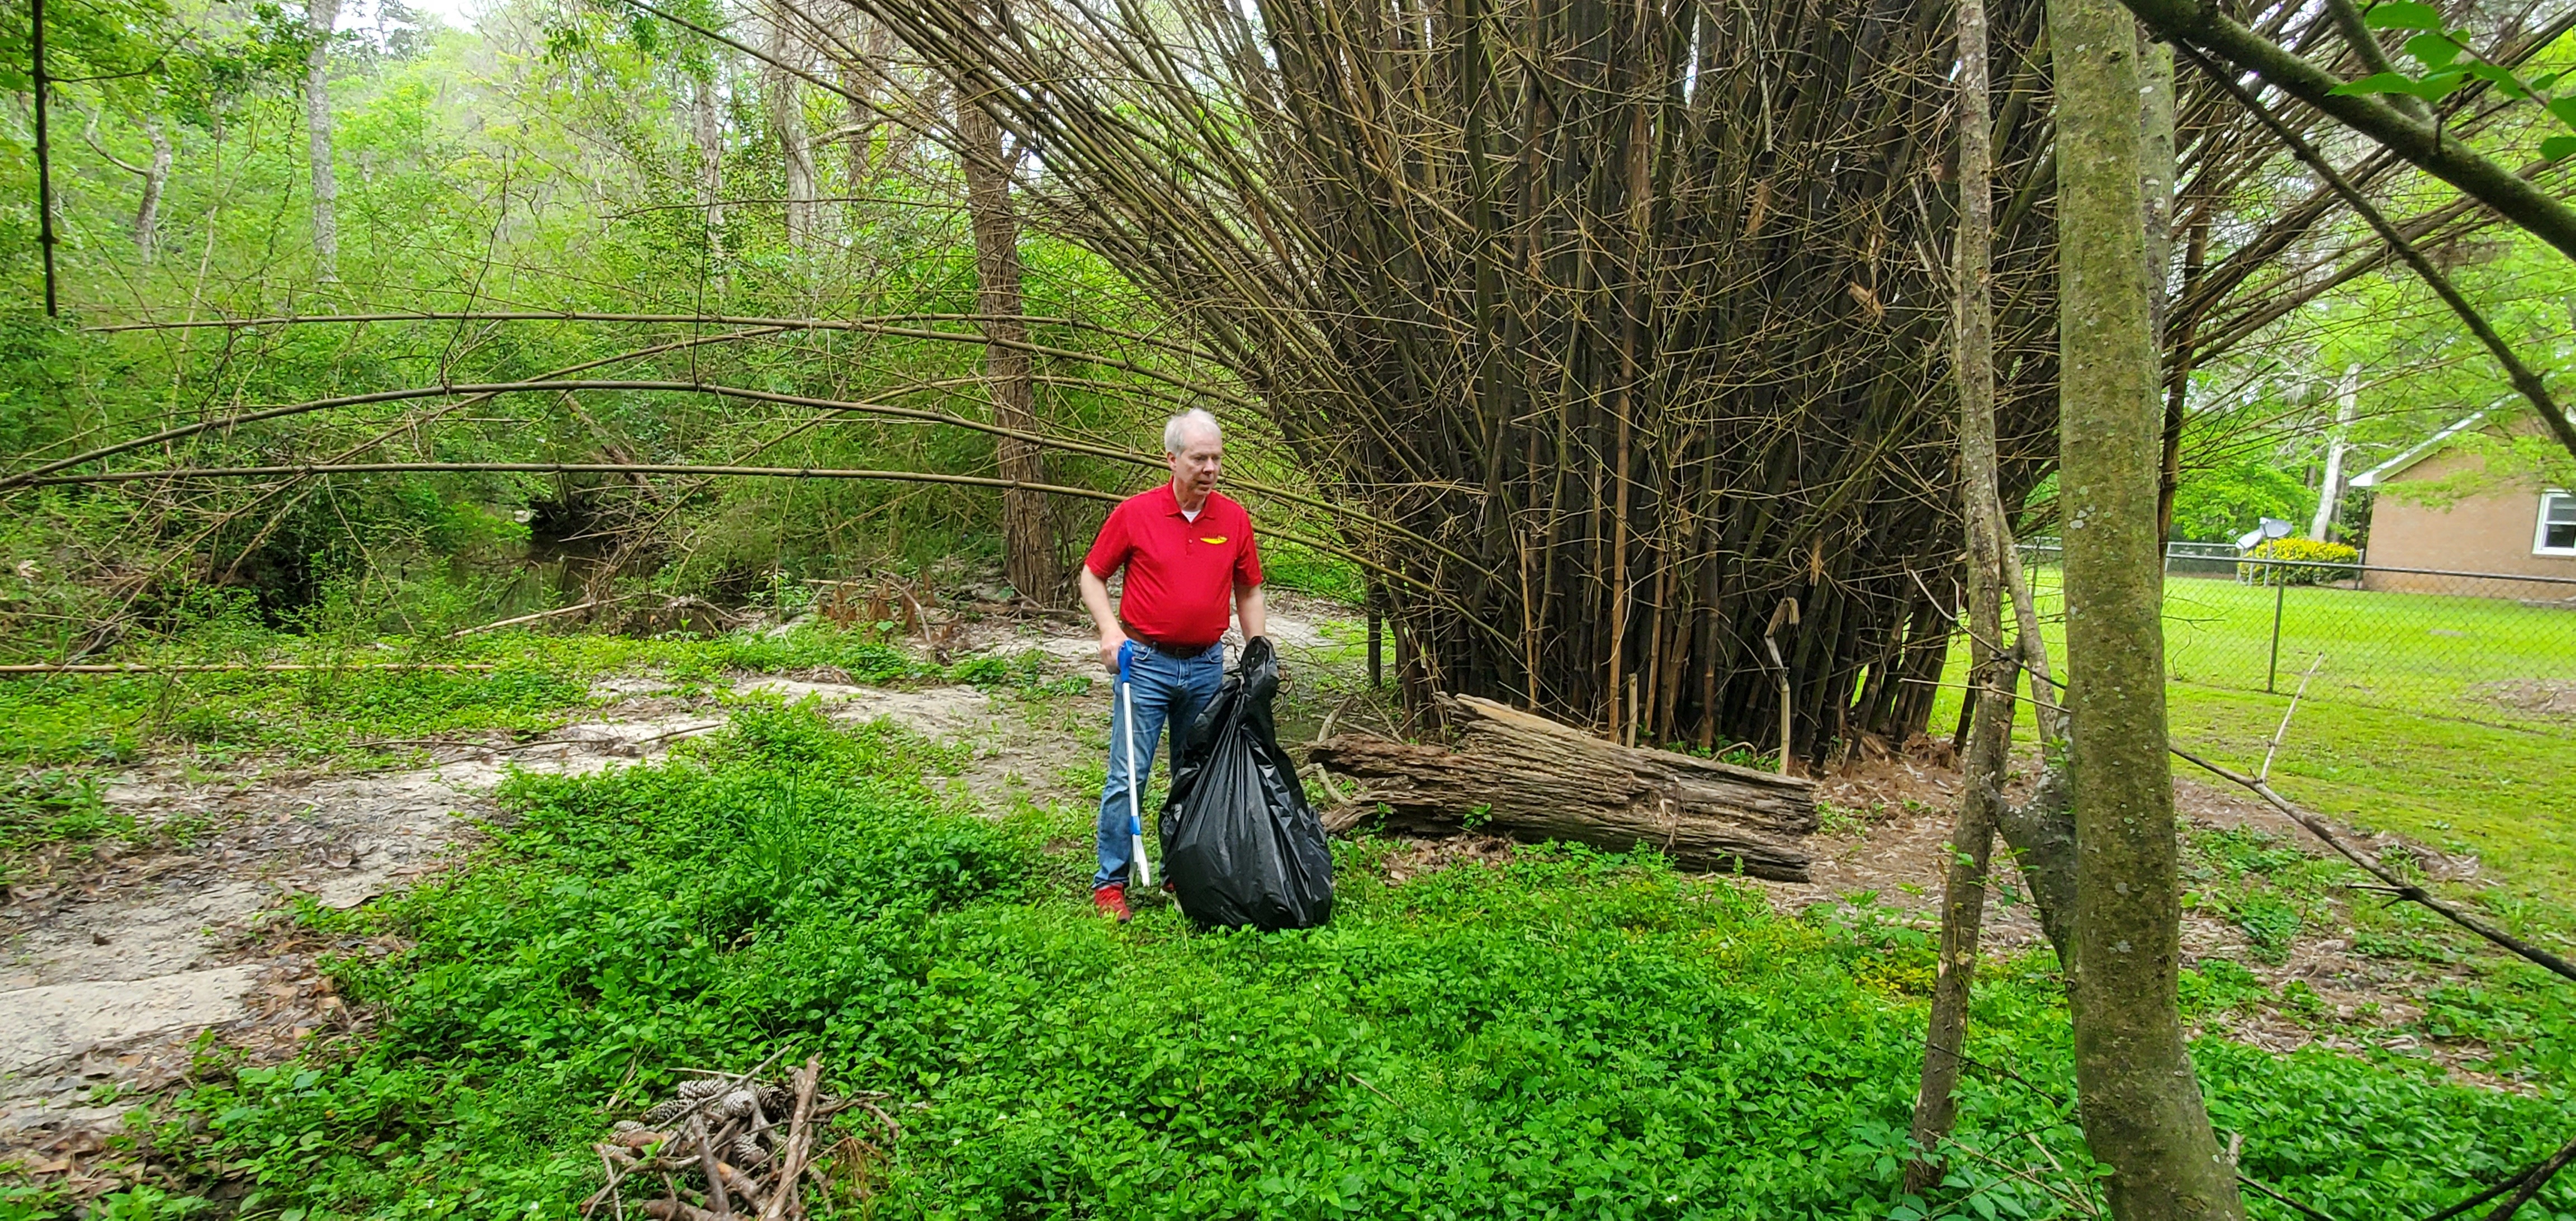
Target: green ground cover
x=1569 y=1035
x=349 y=712
x=348 y=715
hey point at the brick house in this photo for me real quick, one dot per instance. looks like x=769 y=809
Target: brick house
x=2510 y=529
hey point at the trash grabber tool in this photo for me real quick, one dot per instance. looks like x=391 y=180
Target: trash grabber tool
x=1135 y=783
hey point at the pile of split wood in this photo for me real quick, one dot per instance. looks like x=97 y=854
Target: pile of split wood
x=725 y=1146
x=1516 y=774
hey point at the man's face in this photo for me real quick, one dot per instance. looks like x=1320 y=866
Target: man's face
x=1194 y=469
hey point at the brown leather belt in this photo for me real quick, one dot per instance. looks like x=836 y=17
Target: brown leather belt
x=1177 y=652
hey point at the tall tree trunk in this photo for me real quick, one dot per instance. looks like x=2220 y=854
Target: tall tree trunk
x=1028 y=546
x=319 y=18
x=1963 y=901
x=2330 y=492
x=859 y=78
x=787 y=124
x=44 y=153
x=156 y=176
x=2142 y=1107
x=708 y=119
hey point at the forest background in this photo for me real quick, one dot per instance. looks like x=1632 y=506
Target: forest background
x=597 y=160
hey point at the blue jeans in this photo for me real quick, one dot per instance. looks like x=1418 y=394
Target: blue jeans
x=1165 y=691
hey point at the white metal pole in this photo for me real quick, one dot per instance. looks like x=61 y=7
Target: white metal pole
x=1135 y=820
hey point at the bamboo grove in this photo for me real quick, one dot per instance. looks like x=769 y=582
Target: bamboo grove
x=1631 y=317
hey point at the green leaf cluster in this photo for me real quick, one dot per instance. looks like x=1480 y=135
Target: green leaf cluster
x=2447 y=62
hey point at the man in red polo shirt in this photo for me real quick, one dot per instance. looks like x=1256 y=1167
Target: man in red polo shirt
x=1185 y=549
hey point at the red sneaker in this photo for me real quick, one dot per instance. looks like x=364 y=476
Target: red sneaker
x=1112 y=901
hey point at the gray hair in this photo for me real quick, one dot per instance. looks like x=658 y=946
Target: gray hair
x=1176 y=431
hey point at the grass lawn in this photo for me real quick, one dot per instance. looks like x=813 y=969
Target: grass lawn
x=2427 y=653
x=2423 y=652
x=2506 y=794
x=2381 y=741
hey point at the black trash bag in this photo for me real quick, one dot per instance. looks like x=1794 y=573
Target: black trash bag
x=1240 y=843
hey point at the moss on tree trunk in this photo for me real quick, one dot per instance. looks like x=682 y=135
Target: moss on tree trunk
x=2142 y=1107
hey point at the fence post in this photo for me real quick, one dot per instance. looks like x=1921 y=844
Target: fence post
x=2280 y=588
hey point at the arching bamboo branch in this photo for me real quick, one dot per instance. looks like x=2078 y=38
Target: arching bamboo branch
x=311 y=469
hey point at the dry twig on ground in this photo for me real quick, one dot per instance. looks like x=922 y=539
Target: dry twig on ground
x=715 y=1139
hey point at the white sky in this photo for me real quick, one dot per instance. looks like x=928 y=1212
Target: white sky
x=458 y=13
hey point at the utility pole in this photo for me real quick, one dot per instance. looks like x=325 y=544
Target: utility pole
x=44 y=163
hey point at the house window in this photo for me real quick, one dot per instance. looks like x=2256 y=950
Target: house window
x=2557 y=534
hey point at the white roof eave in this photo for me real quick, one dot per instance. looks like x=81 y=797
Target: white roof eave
x=2422 y=450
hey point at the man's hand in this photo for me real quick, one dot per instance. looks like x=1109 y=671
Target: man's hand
x=1109 y=646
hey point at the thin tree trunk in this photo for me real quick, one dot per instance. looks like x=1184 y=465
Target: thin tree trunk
x=2041 y=828
x=156 y=176
x=2329 y=492
x=859 y=79
x=708 y=117
x=1028 y=546
x=44 y=153
x=787 y=124
x=2142 y=1108
x=1963 y=902
x=2178 y=380
x=319 y=18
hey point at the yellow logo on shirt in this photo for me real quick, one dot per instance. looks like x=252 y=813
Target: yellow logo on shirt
x=1214 y=540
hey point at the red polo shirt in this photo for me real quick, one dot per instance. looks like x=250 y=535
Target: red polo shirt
x=1180 y=573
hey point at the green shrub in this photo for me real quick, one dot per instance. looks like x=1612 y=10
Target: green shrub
x=2310 y=558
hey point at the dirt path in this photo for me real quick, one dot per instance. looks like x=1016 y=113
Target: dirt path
x=120 y=967
x=116 y=970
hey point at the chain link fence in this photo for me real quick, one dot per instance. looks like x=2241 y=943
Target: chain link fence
x=2490 y=647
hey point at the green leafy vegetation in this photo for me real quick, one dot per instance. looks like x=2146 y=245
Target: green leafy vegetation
x=52 y=807
x=354 y=707
x=2446 y=60
x=1567 y=1034
x=2219 y=503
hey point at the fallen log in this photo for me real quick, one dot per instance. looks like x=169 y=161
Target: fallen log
x=1521 y=775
